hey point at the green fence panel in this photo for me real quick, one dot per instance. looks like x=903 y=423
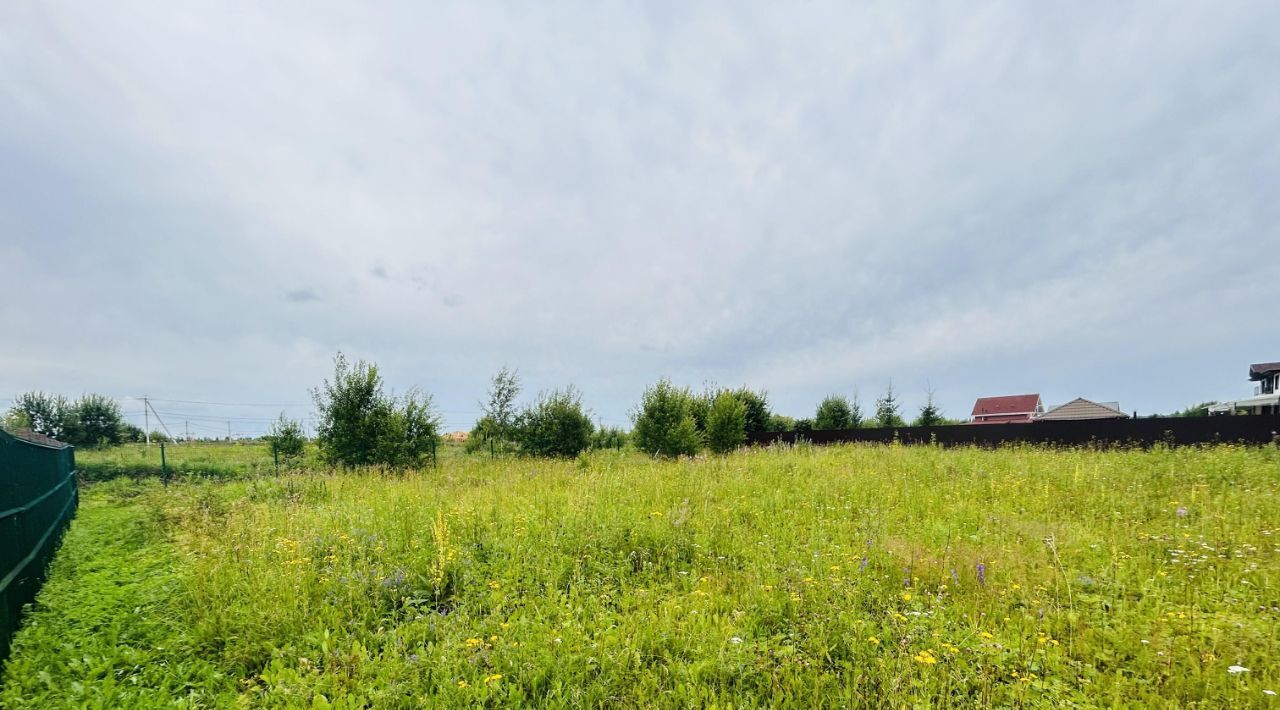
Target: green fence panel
x=38 y=497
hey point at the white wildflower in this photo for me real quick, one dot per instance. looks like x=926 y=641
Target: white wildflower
x=1235 y=670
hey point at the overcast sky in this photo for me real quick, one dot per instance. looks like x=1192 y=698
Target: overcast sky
x=205 y=201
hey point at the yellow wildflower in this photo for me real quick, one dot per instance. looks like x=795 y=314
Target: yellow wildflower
x=493 y=678
x=926 y=657
x=463 y=684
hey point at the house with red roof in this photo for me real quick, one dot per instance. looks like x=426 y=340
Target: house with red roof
x=1009 y=409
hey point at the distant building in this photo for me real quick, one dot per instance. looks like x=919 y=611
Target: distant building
x=457 y=436
x=1266 y=394
x=1081 y=408
x=1010 y=409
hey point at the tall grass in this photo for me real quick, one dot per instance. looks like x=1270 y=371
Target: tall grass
x=846 y=576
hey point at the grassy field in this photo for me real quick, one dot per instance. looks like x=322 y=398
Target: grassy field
x=199 y=459
x=808 y=577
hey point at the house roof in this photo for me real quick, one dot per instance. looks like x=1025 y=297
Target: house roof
x=1262 y=369
x=1081 y=408
x=1009 y=404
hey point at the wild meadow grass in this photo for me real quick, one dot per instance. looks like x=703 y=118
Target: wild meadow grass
x=801 y=577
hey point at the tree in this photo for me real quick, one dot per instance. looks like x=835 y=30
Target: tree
x=834 y=413
x=360 y=425
x=726 y=423
x=756 y=409
x=887 y=414
x=664 y=424
x=131 y=433
x=803 y=426
x=500 y=411
x=1195 y=410
x=609 y=437
x=408 y=431
x=554 y=426
x=286 y=438
x=780 y=422
x=94 y=420
x=47 y=414
x=930 y=415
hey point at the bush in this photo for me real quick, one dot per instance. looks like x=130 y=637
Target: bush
x=664 y=423
x=360 y=425
x=554 y=426
x=726 y=423
x=780 y=422
x=835 y=412
x=609 y=437
x=286 y=438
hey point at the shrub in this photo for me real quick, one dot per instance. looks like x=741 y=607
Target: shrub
x=834 y=412
x=726 y=423
x=780 y=422
x=554 y=426
x=360 y=425
x=664 y=423
x=286 y=438
x=610 y=437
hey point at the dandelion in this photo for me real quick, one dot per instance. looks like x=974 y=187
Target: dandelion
x=986 y=635
x=1237 y=670
x=474 y=643
x=873 y=640
x=906 y=596
x=926 y=657
x=463 y=684
x=492 y=678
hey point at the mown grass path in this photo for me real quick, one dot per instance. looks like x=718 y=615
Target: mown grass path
x=846 y=576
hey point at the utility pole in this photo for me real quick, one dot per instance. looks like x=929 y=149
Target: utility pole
x=146 y=417
x=186 y=424
x=228 y=430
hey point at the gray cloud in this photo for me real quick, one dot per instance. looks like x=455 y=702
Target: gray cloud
x=993 y=199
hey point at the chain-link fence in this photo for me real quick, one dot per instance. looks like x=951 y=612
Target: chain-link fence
x=38 y=497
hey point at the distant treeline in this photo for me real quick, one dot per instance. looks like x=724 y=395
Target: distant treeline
x=361 y=425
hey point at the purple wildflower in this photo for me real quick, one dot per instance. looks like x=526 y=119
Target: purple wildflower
x=982 y=574
x=1182 y=512
x=955 y=577
x=863 y=567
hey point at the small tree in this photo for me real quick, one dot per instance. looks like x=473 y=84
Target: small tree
x=500 y=411
x=930 y=415
x=664 y=424
x=887 y=414
x=803 y=426
x=726 y=423
x=94 y=420
x=833 y=413
x=47 y=414
x=554 y=426
x=755 y=408
x=286 y=438
x=609 y=437
x=780 y=422
x=360 y=425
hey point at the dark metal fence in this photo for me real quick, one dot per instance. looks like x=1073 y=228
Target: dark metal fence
x=1258 y=429
x=38 y=498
